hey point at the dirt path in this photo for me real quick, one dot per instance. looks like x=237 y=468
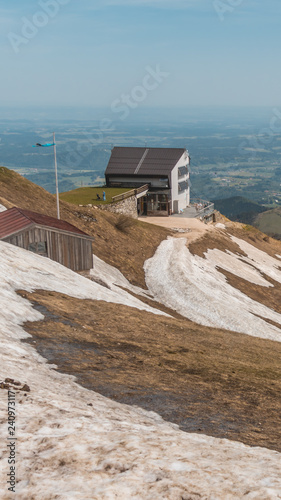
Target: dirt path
x=194 y=227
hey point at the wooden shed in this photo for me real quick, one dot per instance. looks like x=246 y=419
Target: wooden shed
x=47 y=236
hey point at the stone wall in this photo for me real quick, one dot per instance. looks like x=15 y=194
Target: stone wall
x=126 y=207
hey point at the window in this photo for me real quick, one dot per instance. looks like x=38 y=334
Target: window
x=40 y=247
x=182 y=171
x=32 y=247
x=182 y=186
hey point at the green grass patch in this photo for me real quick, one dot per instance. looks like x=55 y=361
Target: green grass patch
x=88 y=195
x=247 y=227
x=270 y=222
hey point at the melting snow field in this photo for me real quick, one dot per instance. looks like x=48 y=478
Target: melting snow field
x=113 y=278
x=22 y=269
x=75 y=444
x=194 y=287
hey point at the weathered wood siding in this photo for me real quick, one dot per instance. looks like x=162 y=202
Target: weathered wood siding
x=71 y=251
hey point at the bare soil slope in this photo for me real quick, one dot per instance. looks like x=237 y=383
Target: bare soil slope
x=204 y=379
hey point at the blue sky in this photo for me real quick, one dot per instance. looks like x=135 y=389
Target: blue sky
x=97 y=53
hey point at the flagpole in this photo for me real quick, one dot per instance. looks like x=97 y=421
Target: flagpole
x=56 y=171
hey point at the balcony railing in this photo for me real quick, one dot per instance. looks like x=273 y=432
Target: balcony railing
x=128 y=194
x=203 y=208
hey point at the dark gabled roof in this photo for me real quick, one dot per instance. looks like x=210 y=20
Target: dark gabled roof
x=15 y=219
x=143 y=161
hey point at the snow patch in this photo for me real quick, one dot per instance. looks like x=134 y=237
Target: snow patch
x=219 y=225
x=113 y=278
x=67 y=449
x=2 y=208
x=194 y=287
x=261 y=260
x=20 y=268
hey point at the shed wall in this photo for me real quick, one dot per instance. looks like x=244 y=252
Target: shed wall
x=71 y=251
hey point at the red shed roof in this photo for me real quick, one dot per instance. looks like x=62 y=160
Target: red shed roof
x=15 y=219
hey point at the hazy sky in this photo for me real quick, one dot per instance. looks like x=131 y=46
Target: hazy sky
x=120 y=53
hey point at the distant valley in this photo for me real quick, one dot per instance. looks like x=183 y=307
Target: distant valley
x=243 y=210
x=234 y=152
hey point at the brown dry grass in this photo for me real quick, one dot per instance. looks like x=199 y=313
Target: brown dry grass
x=207 y=380
x=269 y=296
x=255 y=237
x=220 y=239
x=126 y=250
x=209 y=241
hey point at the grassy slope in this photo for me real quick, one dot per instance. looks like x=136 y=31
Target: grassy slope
x=125 y=250
x=241 y=209
x=238 y=208
x=88 y=195
x=270 y=222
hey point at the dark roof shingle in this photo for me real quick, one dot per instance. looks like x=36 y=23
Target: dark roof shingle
x=143 y=161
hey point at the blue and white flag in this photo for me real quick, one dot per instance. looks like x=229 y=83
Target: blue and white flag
x=37 y=145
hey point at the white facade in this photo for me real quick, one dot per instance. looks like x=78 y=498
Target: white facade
x=180 y=198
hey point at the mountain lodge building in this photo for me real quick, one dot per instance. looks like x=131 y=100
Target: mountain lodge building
x=164 y=171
